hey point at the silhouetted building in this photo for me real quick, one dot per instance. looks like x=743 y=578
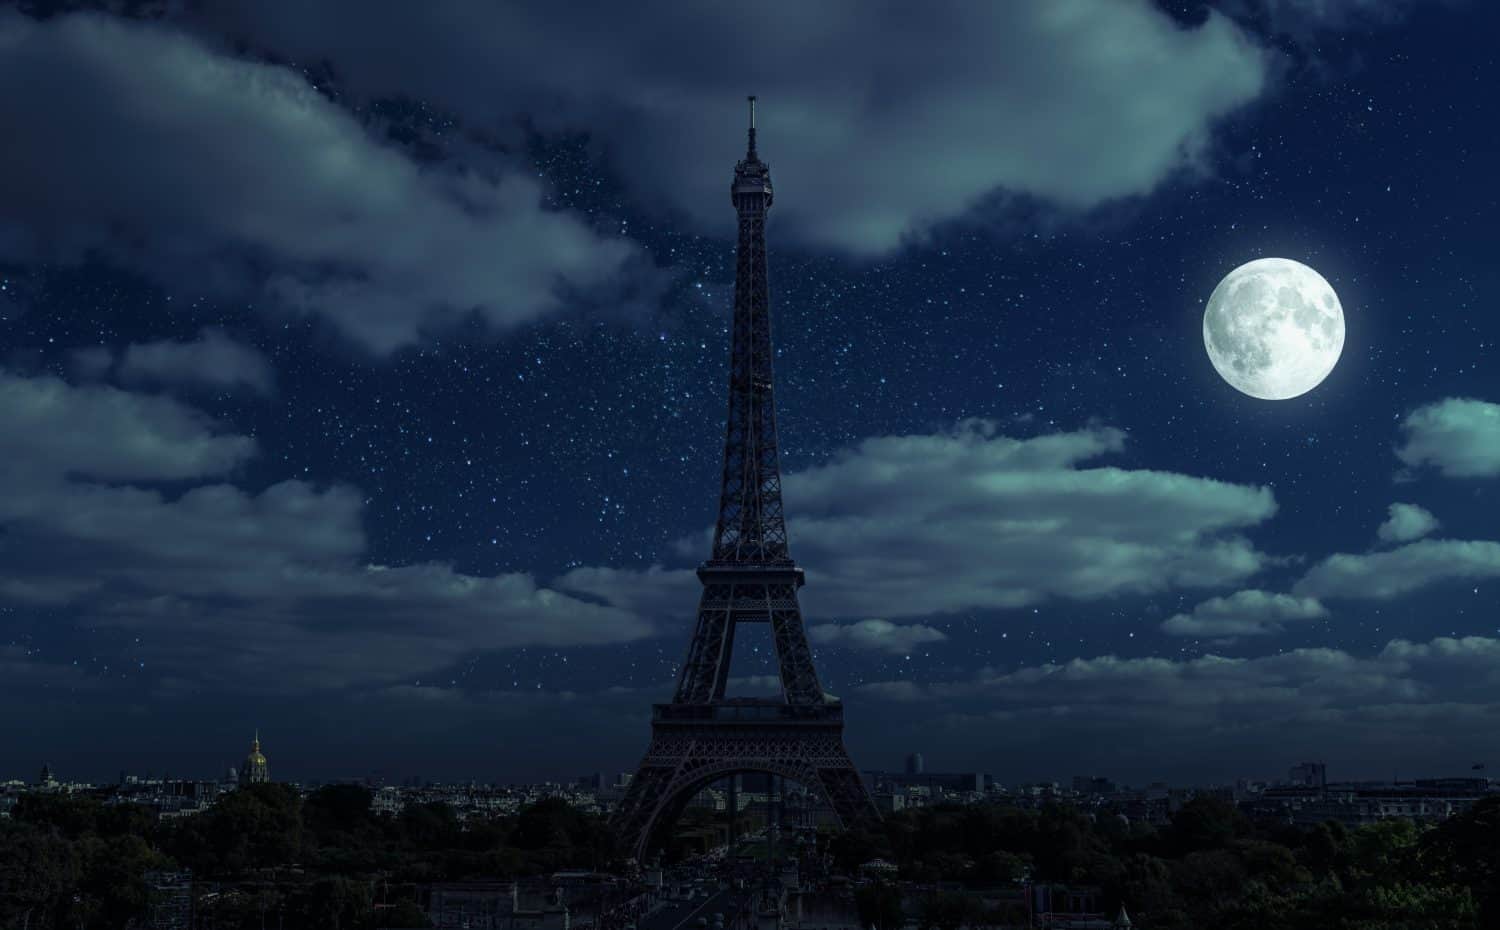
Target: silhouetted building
x=1309 y=775
x=915 y=764
x=962 y=782
x=1354 y=804
x=1093 y=784
x=749 y=577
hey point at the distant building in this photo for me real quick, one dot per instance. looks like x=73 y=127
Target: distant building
x=915 y=764
x=169 y=900
x=1309 y=775
x=256 y=770
x=1065 y=907
x=46 y=780
x=1092 y=784
x=1355 y=804
x=962 y=782
x=889 y=802
x=501 y=905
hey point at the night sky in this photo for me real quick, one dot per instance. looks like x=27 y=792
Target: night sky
x=362 y=373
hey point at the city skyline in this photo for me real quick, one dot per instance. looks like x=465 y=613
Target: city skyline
x=376 y=402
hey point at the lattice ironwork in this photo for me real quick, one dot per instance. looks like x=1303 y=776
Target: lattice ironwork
x=749 y=578
x=682 y=760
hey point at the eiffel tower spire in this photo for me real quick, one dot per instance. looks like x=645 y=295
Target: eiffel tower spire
x=749 y=577
x=751 y=527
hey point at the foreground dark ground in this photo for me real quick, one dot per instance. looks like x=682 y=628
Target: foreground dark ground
x=325 y=860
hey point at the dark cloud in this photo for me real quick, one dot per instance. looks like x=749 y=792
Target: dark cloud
x=1433 y=701
x=26 y=679
x=1305 y=19
x=1244 y=613
x=218 y=174
x=213 y=360
x=50 y=430
x=228 y=588
x=653 y=592
x=1072 y=101
x=1459 y=436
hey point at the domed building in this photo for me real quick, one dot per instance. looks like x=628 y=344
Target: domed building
x=255 y=770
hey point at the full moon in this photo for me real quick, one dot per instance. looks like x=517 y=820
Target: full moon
x=1274 y=328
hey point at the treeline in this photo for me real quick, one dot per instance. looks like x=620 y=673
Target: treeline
x=1210 y=867
x=325 y=861
x=329 y=861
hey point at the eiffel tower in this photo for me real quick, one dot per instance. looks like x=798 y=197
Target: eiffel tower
x=702 y=736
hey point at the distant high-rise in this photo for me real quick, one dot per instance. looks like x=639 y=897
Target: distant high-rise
x=915 y=764
x=256 y=769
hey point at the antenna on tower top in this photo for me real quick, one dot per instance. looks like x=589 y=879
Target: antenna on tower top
x=751 y=98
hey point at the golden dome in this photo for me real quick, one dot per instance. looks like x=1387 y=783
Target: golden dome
x=255 y=768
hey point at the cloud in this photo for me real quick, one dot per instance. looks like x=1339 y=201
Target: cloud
x=1072 y=101
x=1405 y=523
x=753 y=685
x=213 y=359
x=1435 y=701
x=224 y=587
x=1385 y=575
x=968 y=519
x=875 y=636
x=1244 y=613
x=908 y=526
x=27 y=679
x=49 y=429
x=210 y=172
x=1303 y=18
x=654 y=592
x=1458 y=436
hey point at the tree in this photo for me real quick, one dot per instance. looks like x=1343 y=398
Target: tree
x=879 y=906
x=38 y=871
x=429 y=826
x=1000 y=867
x=332 y=904
x=944 y=910
x=1206 y=823
x=403 y=914
x=258 y=826
x=1466 y=848
x=342 y=808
